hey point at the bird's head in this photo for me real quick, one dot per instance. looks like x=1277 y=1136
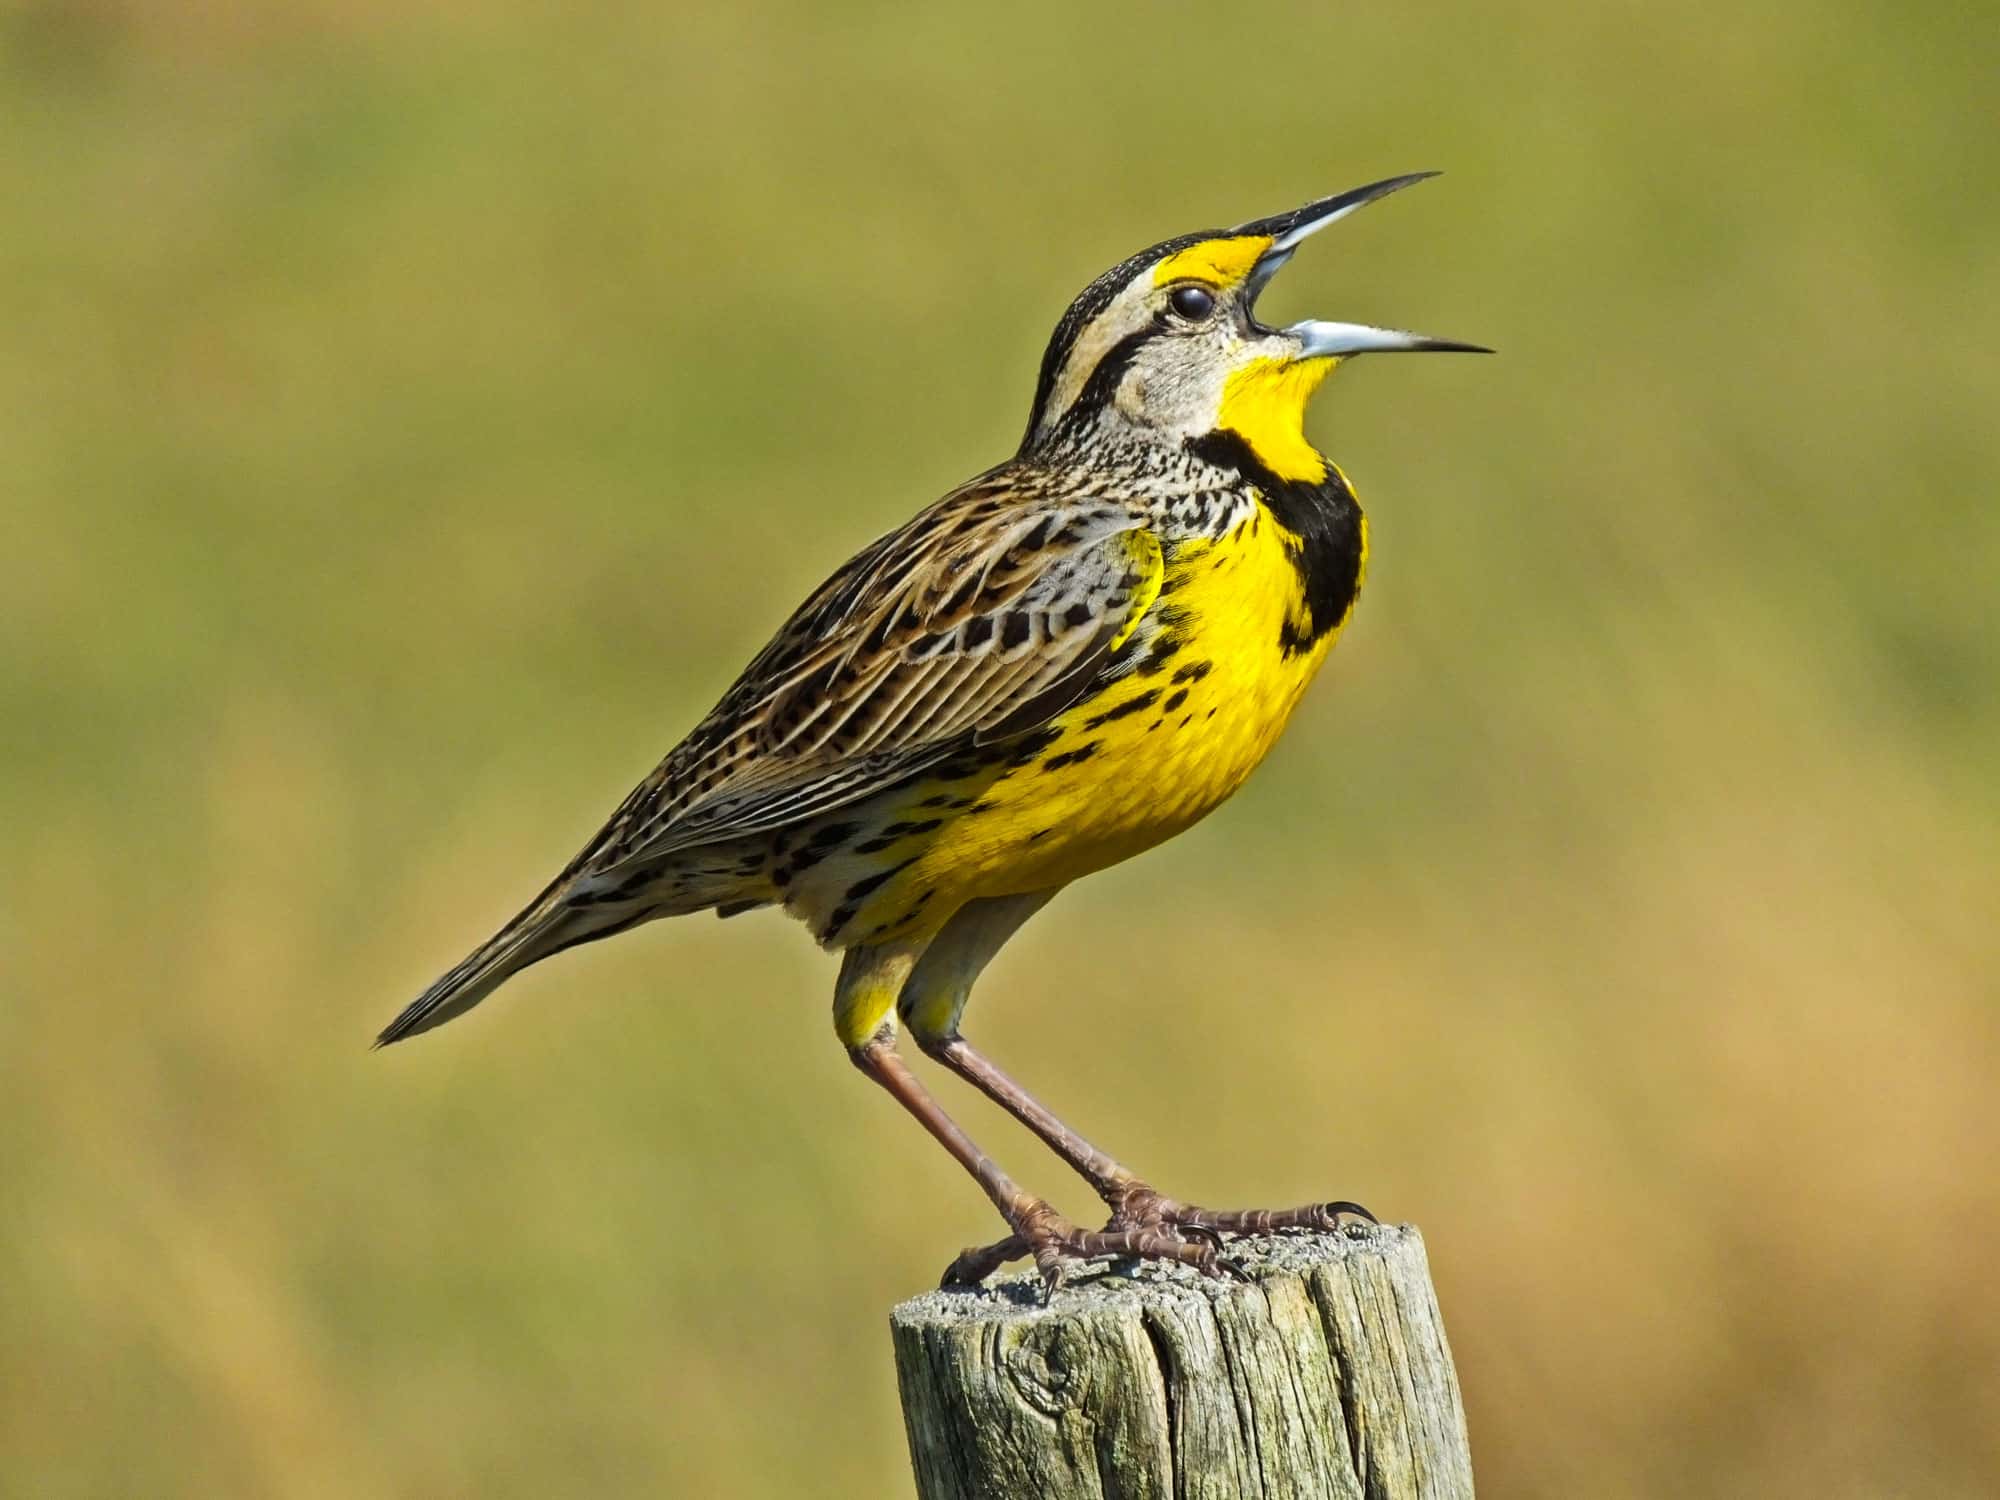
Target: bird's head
x=1165 y=347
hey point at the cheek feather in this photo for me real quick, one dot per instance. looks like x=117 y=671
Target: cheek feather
x=1132 y=395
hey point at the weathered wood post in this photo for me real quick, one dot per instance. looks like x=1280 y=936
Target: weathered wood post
x=1326 y=1373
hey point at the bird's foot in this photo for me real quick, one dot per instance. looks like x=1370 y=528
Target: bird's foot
x=1055 y=1245
x=1137 y=1206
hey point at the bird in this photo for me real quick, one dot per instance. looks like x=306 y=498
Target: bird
x=1062 y=663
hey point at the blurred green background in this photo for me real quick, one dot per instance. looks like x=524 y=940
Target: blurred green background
x=411 y=421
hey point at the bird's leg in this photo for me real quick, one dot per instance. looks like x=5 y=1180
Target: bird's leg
x=1038 y=1230
x=931 y=997
x=1133 y=1203
x=864 y=1018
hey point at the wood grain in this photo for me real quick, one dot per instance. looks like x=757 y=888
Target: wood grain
x=1324 y=1374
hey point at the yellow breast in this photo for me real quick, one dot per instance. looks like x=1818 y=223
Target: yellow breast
x=1158 y=749
x=1219 y=667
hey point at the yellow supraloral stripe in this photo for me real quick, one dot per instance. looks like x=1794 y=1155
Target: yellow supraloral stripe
x=1223 y=262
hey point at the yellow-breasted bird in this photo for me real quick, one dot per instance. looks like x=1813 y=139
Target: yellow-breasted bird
x=1064 y=661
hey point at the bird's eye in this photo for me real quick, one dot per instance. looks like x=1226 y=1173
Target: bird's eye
x=1194 y=303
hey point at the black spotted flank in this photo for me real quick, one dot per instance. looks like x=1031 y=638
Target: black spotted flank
x=860 y=891
x=1164 y=648
x=1072 y=757
x=806 y=858
x=895 y=832
x=1023 y=749
x=867 y=885
x=1174 y=700
x=1137 y=703
x=1194 y=671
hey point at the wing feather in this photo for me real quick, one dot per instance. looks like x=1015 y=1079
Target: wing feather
x=981 y=619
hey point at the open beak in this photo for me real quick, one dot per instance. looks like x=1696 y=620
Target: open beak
x=1317 y=338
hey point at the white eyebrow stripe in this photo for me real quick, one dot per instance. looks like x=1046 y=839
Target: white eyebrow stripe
x=1125 y=313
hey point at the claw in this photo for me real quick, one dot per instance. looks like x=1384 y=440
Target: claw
x=1207 y=1234
x=1214 y=1263
x=1340 y=1206
x=977 y=1262
x=1221 y=1265
x=958 y=1276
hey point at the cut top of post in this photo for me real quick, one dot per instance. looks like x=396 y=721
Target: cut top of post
x=1323 y=1371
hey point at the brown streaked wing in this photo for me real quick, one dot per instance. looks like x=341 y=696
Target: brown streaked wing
x=984 y=617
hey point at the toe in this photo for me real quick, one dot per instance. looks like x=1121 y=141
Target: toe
x=977 y=1262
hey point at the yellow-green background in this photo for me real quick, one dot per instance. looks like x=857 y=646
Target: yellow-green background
x=410 y=416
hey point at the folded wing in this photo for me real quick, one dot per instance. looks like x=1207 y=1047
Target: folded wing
x=982 y=619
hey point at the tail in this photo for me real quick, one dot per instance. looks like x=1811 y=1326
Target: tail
x=548 y=926
x=576 y=909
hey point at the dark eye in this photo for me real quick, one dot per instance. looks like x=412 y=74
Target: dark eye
x=1194 y=303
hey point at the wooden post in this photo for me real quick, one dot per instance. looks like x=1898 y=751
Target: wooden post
x=1325 y=1374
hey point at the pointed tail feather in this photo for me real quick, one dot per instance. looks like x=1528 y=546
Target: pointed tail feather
x=575 y=909
x=546 y=927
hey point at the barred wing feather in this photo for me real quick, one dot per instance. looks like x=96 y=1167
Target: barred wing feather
x=971 y=624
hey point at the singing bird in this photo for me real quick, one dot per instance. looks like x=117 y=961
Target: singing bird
x=1063 y=662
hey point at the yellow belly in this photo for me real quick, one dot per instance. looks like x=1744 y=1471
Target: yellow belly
x=1121 y=771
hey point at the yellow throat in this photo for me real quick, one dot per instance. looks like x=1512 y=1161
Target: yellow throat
x=1264 y=403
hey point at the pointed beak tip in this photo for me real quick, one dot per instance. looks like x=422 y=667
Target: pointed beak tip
x=1339 y=340
x=1289 y=230
x=1316 y=215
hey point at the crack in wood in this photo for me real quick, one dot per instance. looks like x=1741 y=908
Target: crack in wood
x=1328 y=1376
